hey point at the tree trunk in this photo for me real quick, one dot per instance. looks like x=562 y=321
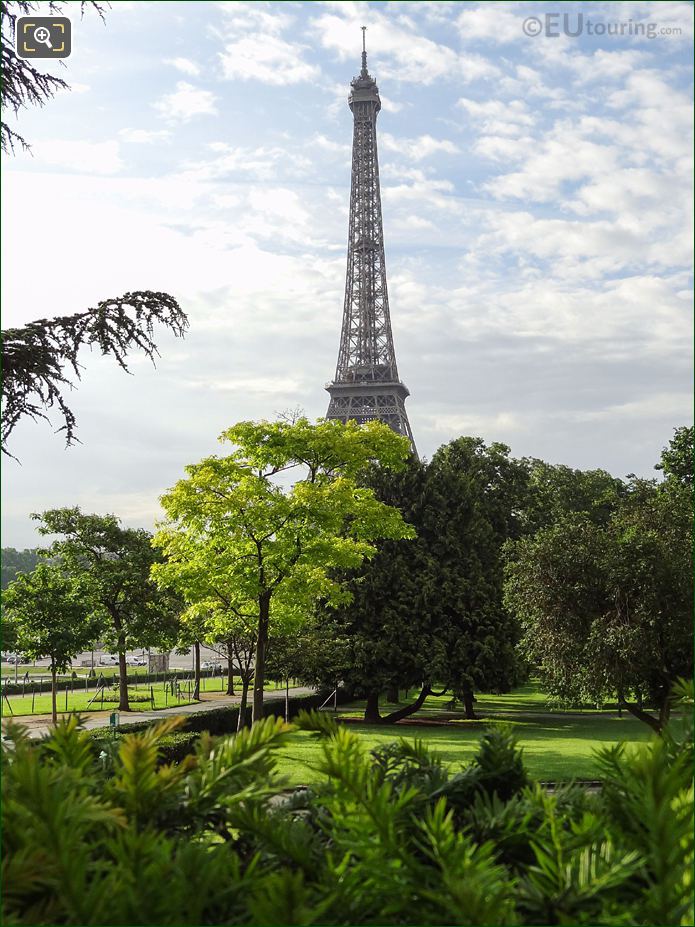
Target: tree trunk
x=287 y=700
x=241 y=721
x=392 y=695
x=664 y=711
x=123 y=703
x=261 y=645
x=408 y=710
x=54 y=694
x=468 y=700
x=641 y=715
x=196 y=686
x=371 y=710
x=230 y=668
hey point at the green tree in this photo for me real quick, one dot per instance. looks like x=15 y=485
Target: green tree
x=113 y=566
x=555 y=490
x=18 y=561
x=384 y=637
x=256 y=534
x=193 y=629
x=51 y=618
x=608 y=609
x=478 y=493
x=430 y=611
x=677 y=459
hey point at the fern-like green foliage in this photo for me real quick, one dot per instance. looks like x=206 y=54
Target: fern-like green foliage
x=387 y=837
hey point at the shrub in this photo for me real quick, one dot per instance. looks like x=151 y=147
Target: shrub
x=212 y=840
x=216 y=722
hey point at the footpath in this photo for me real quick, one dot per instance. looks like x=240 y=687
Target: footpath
x=40 y=725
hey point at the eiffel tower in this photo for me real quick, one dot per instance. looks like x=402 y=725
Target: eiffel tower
x=366 y=384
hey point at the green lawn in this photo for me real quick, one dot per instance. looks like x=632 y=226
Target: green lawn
x=556 y=748
x=78 y=699
x=557 y=744
x=526 y=698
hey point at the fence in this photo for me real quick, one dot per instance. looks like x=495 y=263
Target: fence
x=43 y=684
x=173 y=688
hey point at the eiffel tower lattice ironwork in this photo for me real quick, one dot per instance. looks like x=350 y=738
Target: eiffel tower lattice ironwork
x=366 y=384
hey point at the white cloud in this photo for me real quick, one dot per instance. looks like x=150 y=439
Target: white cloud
x=266 y=58
x=499 y=117
x=255 y=17
x=263 y=163
x=79 y=156
x=144 y=136
x=185 y=65
x=417 y=149
x=186 y=102
x=75 y=87
x=398 y=50
x=494 y=22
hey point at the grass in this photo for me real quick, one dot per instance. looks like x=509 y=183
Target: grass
x=78 y=700
x=556 y=749
x=558 y=745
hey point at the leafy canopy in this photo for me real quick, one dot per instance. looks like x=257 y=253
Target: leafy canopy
x=272 y=519
x=607 y=607
x=49 y=615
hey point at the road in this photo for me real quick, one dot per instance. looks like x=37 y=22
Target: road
x=40 y=725
x=93 y=657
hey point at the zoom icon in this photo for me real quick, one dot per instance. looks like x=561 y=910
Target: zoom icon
x=43 y=37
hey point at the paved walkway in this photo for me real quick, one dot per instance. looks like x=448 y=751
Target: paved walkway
x=40 y=725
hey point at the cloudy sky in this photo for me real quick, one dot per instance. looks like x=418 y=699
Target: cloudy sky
x=536 y=198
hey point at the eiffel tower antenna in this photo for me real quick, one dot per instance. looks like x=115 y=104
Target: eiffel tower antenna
x=366 y=384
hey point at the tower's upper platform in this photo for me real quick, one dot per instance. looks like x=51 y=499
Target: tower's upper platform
x=364 y=88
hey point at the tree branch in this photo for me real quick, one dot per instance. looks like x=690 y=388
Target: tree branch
x=33 y=357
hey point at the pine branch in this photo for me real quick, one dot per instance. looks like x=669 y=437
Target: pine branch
x=22 y=84
x=34 y=357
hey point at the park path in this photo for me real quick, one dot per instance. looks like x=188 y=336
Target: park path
x=40 y=725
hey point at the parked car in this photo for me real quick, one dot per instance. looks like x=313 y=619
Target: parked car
x=18 y=658
x=136 y=661
x=108 y=659
x=210 y=664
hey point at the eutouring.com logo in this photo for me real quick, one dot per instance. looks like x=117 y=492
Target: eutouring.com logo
x=553 y=25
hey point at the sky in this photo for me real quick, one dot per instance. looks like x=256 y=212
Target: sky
x=537 y=194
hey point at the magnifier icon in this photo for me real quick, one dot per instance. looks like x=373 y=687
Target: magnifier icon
x=43 y=35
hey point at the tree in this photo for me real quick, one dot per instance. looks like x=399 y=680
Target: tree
x=18 y=561
x=34 y=357
x=240 y=646
x=677 y=459
x=555 y=490
x=429 y=612
x=478 y=492
x=51 y=618
x=193 y=629
x=384 y=637
x=113 y=564
x=22 y=83
x=243 y=541
x=608 y=609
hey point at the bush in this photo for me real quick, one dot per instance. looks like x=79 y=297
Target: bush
x=172 y=747
x=216 y=722
x=213 y=840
